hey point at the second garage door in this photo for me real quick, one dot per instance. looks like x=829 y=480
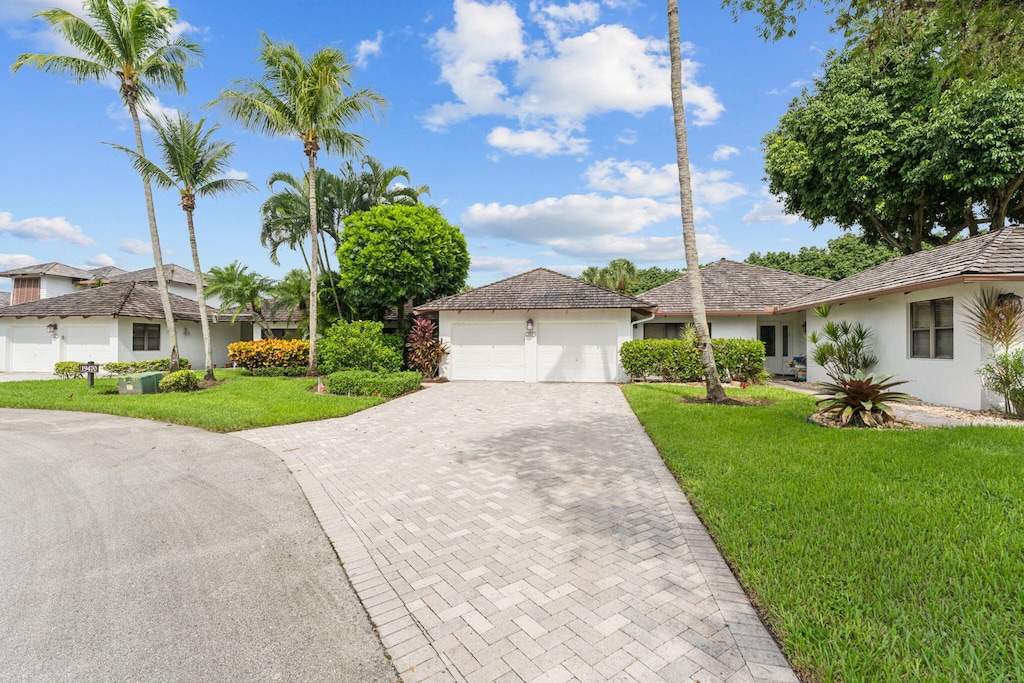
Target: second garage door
x=31 y=349
x=488 y=352
x=577 y=352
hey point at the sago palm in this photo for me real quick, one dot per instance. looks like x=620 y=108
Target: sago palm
x=310 y=99
x=128 y=41
x=194 y=164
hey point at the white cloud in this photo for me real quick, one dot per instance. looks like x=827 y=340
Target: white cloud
x=368 y=48
x=723 y=152
x=642 y=249
x=538 y=142
x=555 y=19
x=769 y=211
x=118 y=112
x=504 y=267
x=134 y=246
x=41 y=229
x=235 y=174
x=9 y=261
x=714 y=186
x=572 y=269
x=101 y=260
x=640 y=178
x=627 y=137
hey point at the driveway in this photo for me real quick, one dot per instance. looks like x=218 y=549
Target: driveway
x=524 y=532
x=136 y=551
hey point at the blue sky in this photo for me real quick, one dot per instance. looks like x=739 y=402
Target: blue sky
x=542 y=128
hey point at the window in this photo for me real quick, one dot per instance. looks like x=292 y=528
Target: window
x=767 y=337
x=931 y=328
x=145 y=337
x=25 y=289
x=785 y=341
x=667 y=330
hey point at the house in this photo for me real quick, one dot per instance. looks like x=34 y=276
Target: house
x=915 y=306
x=540 y=326
x=5 y=299
x=44 y=280
x=742 y=302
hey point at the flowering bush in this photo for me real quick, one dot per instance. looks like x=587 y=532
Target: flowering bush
x=270 y=353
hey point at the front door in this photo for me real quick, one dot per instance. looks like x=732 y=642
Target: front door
x=777 y=342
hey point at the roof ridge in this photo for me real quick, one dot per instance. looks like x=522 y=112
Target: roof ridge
x=986 y=253
x=124 y=300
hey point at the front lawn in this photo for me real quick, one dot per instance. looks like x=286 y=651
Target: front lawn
x=241 y=402
x=875 y=556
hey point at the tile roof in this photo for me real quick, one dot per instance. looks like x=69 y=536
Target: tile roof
x=107 y=272
x=5 y=299
x=119 y=299
x=52 y=268
x=172 y=272
x=537 y=289
x=733 y=287
x=1000 y=252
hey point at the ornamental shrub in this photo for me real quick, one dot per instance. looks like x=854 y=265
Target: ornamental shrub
x=137 y=366
x=678 y=360
x=426 y=351
x=270 y=353
x=367 y=383
x=182 y=380
x=357 y=345
x=67 y=370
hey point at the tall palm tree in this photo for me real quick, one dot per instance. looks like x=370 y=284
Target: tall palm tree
x=194 y=164
x=292 y=294
x=621 y=272
x=716 y=394
x=314 y=100
x=128 y=41
x=240 y=290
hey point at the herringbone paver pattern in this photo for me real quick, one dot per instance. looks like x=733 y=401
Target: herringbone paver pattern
x=518 y=532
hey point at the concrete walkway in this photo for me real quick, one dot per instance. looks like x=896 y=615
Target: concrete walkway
x=524 y=532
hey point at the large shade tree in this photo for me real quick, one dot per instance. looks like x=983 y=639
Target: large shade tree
x=130 y=43
x=845 y=255
x=715 y=392
x=194 y=164
x=312 y=99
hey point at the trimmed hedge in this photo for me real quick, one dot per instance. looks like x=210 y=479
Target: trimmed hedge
x=279 y=372
x=67 y=369
x=678 y=360
x=137 y=366
x=182 y=380
x=367 y=383
x=270 y=353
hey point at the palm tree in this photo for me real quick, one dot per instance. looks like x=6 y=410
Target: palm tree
x=292 y=294
x=314 y=100
x=377 y=185
x=194 y=165
x=621 y=272
x=716 y=394
x=128 y=41
x=240 y=290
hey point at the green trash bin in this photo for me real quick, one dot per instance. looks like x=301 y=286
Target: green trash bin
x=140 y=383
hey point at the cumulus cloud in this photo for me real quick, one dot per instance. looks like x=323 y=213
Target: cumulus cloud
x=627 y=137
x=537 y=142
x=9 y=261
x=770 y=210
x=235 y=174
x=723 y=152
x=504 y=267
x=134 y=246
x=42 y=229
x=555 y=19
x=640 y=178
x=368 y=48
x=101 y=260
x=643 y=249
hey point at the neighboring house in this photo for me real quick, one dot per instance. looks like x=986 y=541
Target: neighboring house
x=915 y=308
x=540 y=326
x=44 y=280
x=5 y=299
x=742 y=302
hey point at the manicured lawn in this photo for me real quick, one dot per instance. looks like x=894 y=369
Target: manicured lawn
x=876 y=556
x=241 y=402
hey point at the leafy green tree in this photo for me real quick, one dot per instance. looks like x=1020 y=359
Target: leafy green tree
x=310 y=99
x=391 y=254
x=649 y=278
x=844 y=256
x=193 y=164
x=715 y=392
x=240 y=291
x=129 y=42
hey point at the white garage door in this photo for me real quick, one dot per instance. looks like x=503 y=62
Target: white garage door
x=87 y=342
x=492 y=351
x=577 y=352
x=31 y=349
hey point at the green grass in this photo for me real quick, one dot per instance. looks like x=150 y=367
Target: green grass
x=241 y=402
x=875 y=556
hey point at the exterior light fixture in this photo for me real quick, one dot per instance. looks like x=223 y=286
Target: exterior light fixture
x=52 y=329
x=529 y=325
x=185 y=329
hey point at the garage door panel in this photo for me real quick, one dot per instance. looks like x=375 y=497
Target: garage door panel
x=488 y=352
x=31 y=349
x=88 y=342
x=577 y=352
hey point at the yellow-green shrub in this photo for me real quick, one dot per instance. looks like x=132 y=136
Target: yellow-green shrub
x=270 y=353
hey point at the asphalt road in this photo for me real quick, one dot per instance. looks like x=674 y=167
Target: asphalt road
x=137 y=551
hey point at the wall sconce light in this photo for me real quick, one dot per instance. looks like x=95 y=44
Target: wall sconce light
x=529 y=325
x=52 y=329
x=185 y=330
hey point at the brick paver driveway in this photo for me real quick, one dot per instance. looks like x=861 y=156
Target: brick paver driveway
x=524 y=532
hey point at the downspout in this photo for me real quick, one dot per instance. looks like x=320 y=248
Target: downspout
x=645 y=320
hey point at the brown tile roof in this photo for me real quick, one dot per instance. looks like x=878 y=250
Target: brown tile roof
x=985 y=257
x=5 y=299
x=119 y=299
x=731 y=287
x=52 y=268
x=538 y=289
x=172 y=272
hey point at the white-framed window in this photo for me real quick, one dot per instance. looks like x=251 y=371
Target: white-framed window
x=931 y=328
x=145 y=337
x=667 y=330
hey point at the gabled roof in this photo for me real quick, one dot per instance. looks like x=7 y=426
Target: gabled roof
x=107 y=272
x=120 y=299
x=52 y=268
x=732 y=288
x=5 y=299
x=172 y=273
x=537 y=289
x=996 y=255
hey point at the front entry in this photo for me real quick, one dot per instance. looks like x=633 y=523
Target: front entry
x=777 y=340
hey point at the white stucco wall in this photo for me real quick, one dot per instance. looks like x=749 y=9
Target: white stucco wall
x=621 y=317
x=51 y=286
x=190 y=345
x=952 y=382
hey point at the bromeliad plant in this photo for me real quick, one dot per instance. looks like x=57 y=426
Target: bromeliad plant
x=861 y=399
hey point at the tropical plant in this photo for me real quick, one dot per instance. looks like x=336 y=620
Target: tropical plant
x=1004 y=374
x=426 y=350
x=861 y=399
x=715 y=392
x=193 y=164
x=291 y=293
x=841 y=348
x=377 y=184
x=67 y=369
x=310 y=99
x=130 y=42
x=180 y=380
x=996 y=318
x=357 y=345
x=240 y=291
x=269 y=353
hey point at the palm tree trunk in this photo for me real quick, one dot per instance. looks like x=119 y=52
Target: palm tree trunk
x=204 y=319
x=716 y=394
x=330 y=276
x=314 y=262
x=154 y=236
